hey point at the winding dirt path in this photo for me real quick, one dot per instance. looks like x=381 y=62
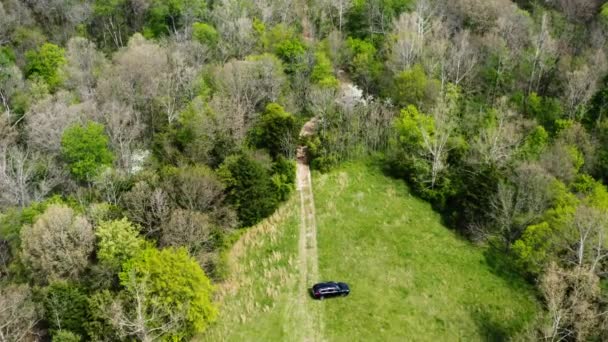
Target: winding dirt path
x=310 y=311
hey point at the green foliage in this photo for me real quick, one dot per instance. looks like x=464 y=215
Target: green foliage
x=322 y=72
x=283 y=177
x=598 y=108
x=365 y=17
x=98 y=327
x=583 y=184
x=412 y=87
x=410 y=125
x=362 y=62
x=598 y=196
x=533 y=249
x=417 y=139
x=604 y=13
x=66 y=336
x=546 y=110
x=576 y=156
x=168 y=16
x=118 y=241
x=86 y=149
x=276 y=131
x=535 y=144
x=497 y=74
x=66 y=307
x=205 y=34
x=284 y=42
x=45 y=63
x=13 y=219
x=250 y=188
x=563 y=206
x=108 y=7
x=172 y=282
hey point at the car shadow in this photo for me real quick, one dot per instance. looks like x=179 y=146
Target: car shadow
x=309 y=293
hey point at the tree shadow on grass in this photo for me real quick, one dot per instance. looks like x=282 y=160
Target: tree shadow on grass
x=501 y=265
x=489 y=327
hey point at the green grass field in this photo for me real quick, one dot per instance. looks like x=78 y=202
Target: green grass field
x=257 y=301
x=411 y=278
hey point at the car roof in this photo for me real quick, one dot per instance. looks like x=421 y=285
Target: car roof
x=327 y=284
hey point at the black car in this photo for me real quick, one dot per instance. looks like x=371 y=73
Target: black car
x=329 y=289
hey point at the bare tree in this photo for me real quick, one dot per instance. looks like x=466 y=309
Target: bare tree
x=274 y=12
x=140 y=316
x=581 y=10
x=545 y=53
x=84 y=65
x=242 y=87
x=187 y=228
x=581 y=84
x=18 y=314
x=147 y=206
x=571 y=297
x=58 y=245
x=11 y=81
x=462 y=57
x=7 y=21
x=333 y=10
x=138 y=76
x=124 y=127
x=408 y=41
x=195 y=188
x=497 y=143
x=179 y=80
x=519 y=204
x=235 y=28
x=435 y=143
x=589 y=230
x=412 y=34
x=111 y=184
x=47 y=119
x=60 y=16
x=561 y=161
x=26 y=176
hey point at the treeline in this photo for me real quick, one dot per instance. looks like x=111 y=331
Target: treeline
x=137 y=136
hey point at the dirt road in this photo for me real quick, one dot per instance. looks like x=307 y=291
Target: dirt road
x=310 y=311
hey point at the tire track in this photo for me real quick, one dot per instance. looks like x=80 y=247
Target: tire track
x=310 y=311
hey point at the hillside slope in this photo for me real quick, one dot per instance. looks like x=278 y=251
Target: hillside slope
x=411 y=278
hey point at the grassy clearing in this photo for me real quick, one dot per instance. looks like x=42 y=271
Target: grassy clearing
x=411 y=278
x=257 y=301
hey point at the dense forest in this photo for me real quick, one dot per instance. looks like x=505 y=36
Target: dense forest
x=138 y=138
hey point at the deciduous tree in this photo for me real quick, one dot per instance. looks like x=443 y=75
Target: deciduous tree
x=18 y=313
x=86 y=150
x=167 y=295
x=58 y=245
